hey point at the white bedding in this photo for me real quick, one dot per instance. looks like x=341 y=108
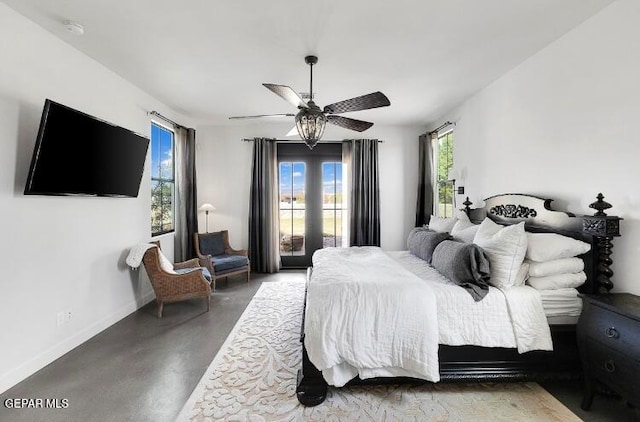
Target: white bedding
x=382 y=322
x=561 y=302
x=389 y=318
x=504 y=318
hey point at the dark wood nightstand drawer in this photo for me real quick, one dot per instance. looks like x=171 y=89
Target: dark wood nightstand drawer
x=614 y=330
x=615 y=369
x=609 y=341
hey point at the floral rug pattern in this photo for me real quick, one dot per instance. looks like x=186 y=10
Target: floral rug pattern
x=253 y=378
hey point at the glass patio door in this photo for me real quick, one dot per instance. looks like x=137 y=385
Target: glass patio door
x=311 y=201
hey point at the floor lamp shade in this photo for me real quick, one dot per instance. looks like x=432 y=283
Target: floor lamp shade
x=206 y=208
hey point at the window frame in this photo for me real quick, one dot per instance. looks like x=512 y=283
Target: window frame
x=438 y=184
x=160 y=179
x=335 y=206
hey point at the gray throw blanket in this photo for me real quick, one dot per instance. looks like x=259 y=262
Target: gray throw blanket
x=466 y=264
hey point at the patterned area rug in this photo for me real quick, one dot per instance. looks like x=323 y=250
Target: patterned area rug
x=253 y=378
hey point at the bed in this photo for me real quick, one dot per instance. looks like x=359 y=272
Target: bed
x=540 y=346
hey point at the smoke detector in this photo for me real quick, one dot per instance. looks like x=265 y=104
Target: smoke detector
x=73 y=27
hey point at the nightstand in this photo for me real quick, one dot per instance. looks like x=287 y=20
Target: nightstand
x=609 y=341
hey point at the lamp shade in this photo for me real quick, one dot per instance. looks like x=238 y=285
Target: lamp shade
x=206 y=207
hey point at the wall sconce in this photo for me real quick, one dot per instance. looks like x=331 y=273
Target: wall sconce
x=206 y=208
x=453 y=175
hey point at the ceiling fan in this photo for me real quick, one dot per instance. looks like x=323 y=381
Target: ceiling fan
x=311 y=120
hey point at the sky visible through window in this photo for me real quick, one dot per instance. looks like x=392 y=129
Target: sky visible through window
x=161 y=152
x=292 y=178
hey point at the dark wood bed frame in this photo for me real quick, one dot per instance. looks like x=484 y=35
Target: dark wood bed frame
x=475 y=363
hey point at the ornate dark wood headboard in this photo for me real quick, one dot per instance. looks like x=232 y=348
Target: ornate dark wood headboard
x=536 y=212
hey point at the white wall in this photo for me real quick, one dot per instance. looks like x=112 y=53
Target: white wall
x=564 y=125
x=224 y=176
x=61 y=253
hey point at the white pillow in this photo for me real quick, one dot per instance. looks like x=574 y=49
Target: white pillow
x=165 y=264
x=549 y=246
x=441 y=225
x=522 y=275
x=505 y=247
x=557 y=266
x=464 y=231
x=558 y=281
x=462 y=216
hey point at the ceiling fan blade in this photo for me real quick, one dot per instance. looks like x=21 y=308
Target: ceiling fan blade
x=288 y=94
x=364 y=102
x=292 y=132
x=346 y=122
x=259 y=116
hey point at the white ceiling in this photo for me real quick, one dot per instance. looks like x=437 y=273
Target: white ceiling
x=207 y=59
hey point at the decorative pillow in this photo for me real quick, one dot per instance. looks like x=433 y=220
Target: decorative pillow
x=558 y=281
x=421 y=242
x=523 y=274
x=549 y=246
x=414 y=232
x=441 y=225
x=557 y=266
x=165 y=264
x=505 y=247
x=462 y=216
x=464 y=231
x=465 y=264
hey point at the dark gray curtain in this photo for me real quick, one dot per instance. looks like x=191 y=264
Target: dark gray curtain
x=186 y=193
x=264 y=244
x=364 y=204
x=424 y=206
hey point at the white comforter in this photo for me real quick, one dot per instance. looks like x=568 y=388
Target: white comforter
x=382 y=322
x=513 y=318
x=389 y=317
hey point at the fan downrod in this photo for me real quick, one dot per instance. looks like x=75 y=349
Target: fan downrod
x=311 y=60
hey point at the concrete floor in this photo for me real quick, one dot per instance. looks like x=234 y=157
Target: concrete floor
x=144 y=368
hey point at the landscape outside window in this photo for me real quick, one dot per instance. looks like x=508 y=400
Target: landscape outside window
x=332 y=204
x=162 y=180
x=293 y=206
x=444 y=164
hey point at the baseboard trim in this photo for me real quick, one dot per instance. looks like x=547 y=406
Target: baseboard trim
x=24 y=371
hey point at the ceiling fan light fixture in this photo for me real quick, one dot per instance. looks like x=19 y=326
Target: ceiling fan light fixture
x=311 y=120
x=310 y=124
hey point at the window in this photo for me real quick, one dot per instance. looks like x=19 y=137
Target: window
x=333 y=204
x=443 y=152
x=312 y=203
x=162 y=180
x=292 y=207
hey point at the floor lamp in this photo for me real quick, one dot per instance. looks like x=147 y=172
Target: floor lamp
x=206 y=208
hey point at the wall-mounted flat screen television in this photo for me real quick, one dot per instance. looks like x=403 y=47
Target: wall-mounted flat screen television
x=78 y=154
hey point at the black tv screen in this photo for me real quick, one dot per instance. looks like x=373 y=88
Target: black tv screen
x=78 y=154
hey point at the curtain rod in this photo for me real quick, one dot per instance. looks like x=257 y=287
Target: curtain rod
x=302 y=142
x=442 y=126
x=166 y=119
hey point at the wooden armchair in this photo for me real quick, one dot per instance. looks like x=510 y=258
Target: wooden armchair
x=215 y=253
x=175 y=282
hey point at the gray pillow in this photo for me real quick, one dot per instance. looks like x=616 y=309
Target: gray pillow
x=422 y=242
x=466 y=264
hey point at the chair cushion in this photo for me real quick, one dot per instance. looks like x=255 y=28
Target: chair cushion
x=211 y=243
x=205 y=271
x=226 y=263
x=165 y=264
